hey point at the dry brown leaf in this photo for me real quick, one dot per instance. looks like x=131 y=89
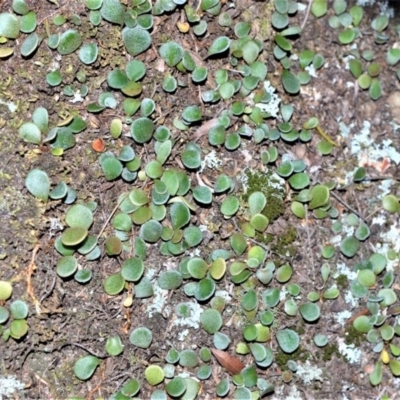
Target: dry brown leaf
x=232 y=364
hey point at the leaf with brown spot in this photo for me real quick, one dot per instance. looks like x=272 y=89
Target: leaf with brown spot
x=232 y=364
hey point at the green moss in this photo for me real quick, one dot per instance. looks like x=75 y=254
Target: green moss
x=271 y=187
x=284 y=242
x=353 y=336
x=330 y=350
x=342 y=281
x=282 y=358
x=301 y=330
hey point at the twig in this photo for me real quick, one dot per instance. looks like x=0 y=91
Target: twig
x=364 y=311
x=48 y=292
x=310 y=2
x=29 y=289
x=98 y=387
x=60 y=7
x=111 y=215
x=381 y=393
x=326 y=136
x=348 y=206
x=86 y=349
x=309 y=239
x=382 y=178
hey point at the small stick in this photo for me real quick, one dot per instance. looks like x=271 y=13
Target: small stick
x=348 y=206
x=364 y=311
x=29 y=273
x=326 y=136
x=309 y=239
x=111 y=215
x=86 y=349
x=310 y=2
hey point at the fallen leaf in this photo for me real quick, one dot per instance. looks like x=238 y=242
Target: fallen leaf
x=232 y=364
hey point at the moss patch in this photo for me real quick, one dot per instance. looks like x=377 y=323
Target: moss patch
x=300 y=354
x=271 y=187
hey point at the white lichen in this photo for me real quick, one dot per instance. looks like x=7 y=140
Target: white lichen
x=272 y=107
x=77 y=97
x=311 y=71
x=210 y=161
x=342 y=317
x=193 y=320
x=294 y=394
x=158 y=303
x=350 y=351
x=309 y=373
x=9 y=385
x=363 y=146
x=11 y=105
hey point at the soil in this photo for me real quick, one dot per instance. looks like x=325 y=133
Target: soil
x=68 y=320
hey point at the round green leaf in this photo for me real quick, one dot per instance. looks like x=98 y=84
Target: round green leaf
x=113 y=11
x=349 y=246
x=5 y=290
x=290 y=82
x=249 y=300
x=391 y=203
x=219 y=45
x=30 y=133
x=70 y=41
x=84 y=368
x=142 y=129
x=20 y=7
x=362 y=324
x=132 y=269
x=141 y=337
x=112 y=168
x=66 y=266
x=230 y=206
x=204 y=289
x=319 y=8
x=9 y=25
x=88 y=53
x=18 y=328
x=347 y=36
x=79 y=216
x=176 y=387
x=30 y=44
x=320 y=340
x=319 y=196
x=188 y=358
x=171 y=53
x=375 y=90
x=192 y=114
x=310 y=311
x=299 y=181
x=154 y=375
x=211 y=321
x=19 y=309
x=38 y=184
x=284 y=273
x=136 y=40
x=4 y=315
x=170 y=280
x=114 y=284
x=180 y=215
x=288 y=340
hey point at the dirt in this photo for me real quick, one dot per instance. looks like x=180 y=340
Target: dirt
x=68 y=320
